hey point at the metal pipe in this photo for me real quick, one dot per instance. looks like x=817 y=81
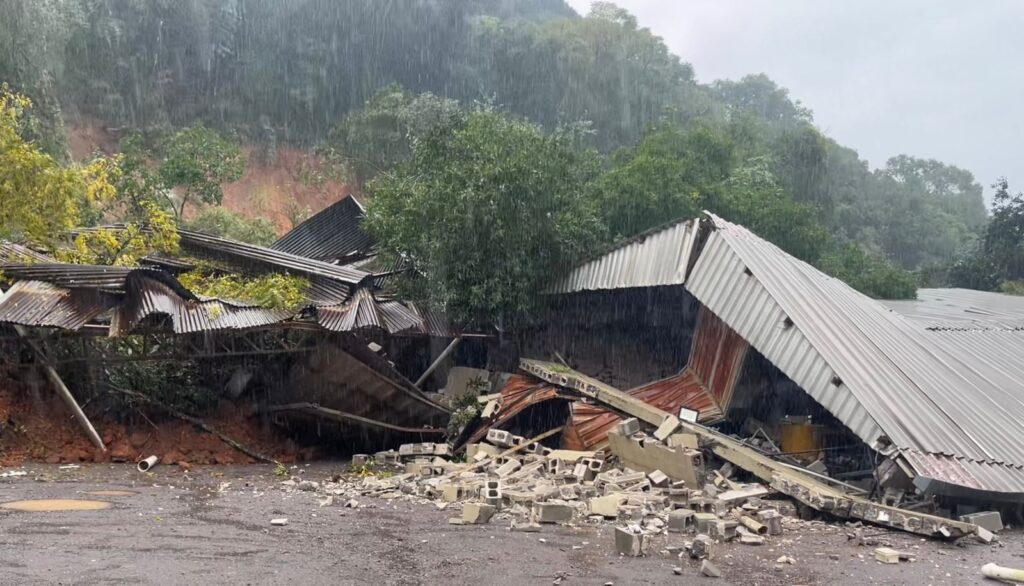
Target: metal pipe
x=430 y=369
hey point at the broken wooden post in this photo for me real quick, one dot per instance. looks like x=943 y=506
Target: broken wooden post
x=433 y=366
x=62 y=390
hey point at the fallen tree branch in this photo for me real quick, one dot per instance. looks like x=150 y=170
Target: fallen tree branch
x=198 y=423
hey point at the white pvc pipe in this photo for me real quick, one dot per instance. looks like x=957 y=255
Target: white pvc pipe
x=1001 y=573
x=148 y=463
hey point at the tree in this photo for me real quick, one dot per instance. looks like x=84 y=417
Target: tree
x=672 y=173
x=487 y=209
x=874 y=276
x=380 y=135
x=752 y=197
x=219 y=221
x=197 y=161
x=40 y=199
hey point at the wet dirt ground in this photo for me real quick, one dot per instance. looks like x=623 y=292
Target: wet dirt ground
x=195 y=528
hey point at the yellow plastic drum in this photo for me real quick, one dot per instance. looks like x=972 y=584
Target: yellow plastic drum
x=801 y=437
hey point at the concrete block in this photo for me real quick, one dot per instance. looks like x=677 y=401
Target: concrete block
x=387 y=457
x=499 y=437
x=514 y=496
x=487 y=450
x=552 y=512
x=700 y=548
x=704 y=521
x=569 y=492
x=681 y=520
x=553 y=466
x=723 y=530
x=607 y=505
x=580 y=470
x=508 y=467
x=491 y=409
x=359 y=460
x=518 y=440
x=451 y=493
x=443 y=450
x=887 y=555
x=772 y=520
x=984 y=535
x=710 y=570
x=751 y=539
x=667 y=428
x=658 y=478
x=990 y=520
x=683 y=440
x=678 y=463
x=477 y=513
x=628 y=543
x=628 y=427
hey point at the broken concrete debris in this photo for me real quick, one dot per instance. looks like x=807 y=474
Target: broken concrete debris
x=629 y=541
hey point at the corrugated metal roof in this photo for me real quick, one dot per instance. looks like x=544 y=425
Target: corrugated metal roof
x=875 y=370
x=330 y=235
x=69 y=275
x=16 y=253
x=146 y=297
x=953 y=393
x=39 y=304
x=364 y=311
x=655 y=258
x=266 y=258
x=962 y=309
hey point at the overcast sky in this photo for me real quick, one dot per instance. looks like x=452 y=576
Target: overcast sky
x=938 y=79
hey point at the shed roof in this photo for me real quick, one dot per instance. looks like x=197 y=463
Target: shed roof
x=951 y=400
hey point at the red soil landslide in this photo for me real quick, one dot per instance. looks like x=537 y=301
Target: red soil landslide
x=45 y=431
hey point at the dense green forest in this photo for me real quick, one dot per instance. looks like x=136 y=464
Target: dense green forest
x=382 y=88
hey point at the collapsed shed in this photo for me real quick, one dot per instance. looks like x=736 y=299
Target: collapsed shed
x=931 y=388
x=342 y=356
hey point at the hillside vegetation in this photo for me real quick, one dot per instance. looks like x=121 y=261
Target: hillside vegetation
x=384 y=90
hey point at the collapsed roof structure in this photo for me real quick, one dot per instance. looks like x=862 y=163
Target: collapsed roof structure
x=334 y=375
x=934 y=387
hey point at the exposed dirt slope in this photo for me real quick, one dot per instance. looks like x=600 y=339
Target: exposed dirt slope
x=274 y=190
x=43 y=430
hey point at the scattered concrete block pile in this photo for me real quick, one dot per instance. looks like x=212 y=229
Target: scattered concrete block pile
x=510 y=479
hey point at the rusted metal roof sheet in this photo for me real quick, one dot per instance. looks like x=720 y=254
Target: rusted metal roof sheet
x=39 y=304
x=655 y=258
x=69 y=275
x=147 y=297
x=267 y=258
x=364 y=311
x=518 y=393
x=16 y=253
x=330 y=235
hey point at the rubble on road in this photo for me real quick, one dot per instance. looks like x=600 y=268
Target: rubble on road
x=525 y=486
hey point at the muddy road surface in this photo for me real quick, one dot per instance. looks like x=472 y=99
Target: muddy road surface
x=212 y=526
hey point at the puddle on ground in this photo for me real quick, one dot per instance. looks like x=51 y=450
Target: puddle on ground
x=111 y=493
x=54 y=505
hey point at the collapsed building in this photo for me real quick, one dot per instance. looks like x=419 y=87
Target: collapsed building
x=849 y=405
x=908 y=399
x=339 y=363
